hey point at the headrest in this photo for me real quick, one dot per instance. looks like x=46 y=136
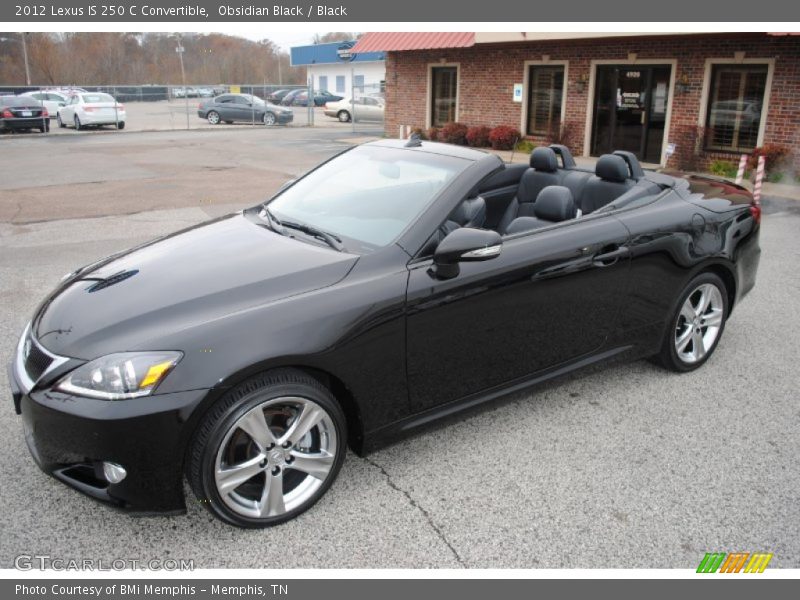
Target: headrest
x=555 y=203
x=544 y=159
x=612 y=167
x=469 y=211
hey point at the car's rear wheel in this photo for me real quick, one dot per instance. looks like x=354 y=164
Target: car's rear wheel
x=77 y=123
x=213 y=117
x=269 y=119
x=344 y=116
x=120 y=124
x=268 y=450
x=696 y=325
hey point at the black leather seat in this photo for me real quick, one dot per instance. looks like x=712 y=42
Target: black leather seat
x=612 y=179
x=543 y=172
x=554 y=204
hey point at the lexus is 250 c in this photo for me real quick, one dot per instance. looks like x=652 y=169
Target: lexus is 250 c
x=398 y=282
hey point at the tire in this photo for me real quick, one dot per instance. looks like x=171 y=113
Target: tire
x=77 y=123
x=213 y=117
x=279 y=397
x=121 y=125
x=344 y=116
x=60 y=122
x=688 y=344
x=269 y=119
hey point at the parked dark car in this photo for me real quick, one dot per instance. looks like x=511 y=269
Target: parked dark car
x=230 y=108
x=301 y=98
x=394 y=284
x=288 y=98
x=276 y=96
x=22 y=113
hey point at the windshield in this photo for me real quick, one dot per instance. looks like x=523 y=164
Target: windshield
x=94 y=98
x=369 y=195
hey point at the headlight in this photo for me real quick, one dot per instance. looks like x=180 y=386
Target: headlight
x=120 y=376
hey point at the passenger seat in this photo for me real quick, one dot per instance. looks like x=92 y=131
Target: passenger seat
x=553 y=205
x=470 y=213
x=543 y=172
x=612 y=179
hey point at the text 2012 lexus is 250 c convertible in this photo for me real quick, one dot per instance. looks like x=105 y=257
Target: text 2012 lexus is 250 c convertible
x=398 y=282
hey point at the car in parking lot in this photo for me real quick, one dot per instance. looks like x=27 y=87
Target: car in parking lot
x=91 y=109
x=231 y=108
x=364 y=108
x=398 y=282
x=51 y=100
x=22 y=113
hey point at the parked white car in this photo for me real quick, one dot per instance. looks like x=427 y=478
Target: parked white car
x=366 y=108
x=91 y=109
x=52 y=101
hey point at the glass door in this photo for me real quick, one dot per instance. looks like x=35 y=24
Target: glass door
x=630 y=110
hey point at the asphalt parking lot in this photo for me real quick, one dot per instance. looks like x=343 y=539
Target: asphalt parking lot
x=170 y=115
x=621 y=467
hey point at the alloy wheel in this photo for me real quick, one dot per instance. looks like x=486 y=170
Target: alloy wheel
x=275 y=457
x=213 y=118
x=269 y=119
x=699 y=323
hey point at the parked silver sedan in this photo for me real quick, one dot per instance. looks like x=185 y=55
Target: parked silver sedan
x=365 y=108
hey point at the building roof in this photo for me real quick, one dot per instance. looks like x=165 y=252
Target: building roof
x=423 y=40
x=332 y=53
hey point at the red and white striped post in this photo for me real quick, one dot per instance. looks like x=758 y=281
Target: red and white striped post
x=740 y=172
x=759 y=179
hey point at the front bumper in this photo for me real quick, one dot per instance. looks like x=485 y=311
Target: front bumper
x=69 y=437
x=284 y=119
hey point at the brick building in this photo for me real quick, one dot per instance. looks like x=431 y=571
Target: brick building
x=702 y=96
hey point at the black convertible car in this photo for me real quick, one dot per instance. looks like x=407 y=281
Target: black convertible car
x=398 y=282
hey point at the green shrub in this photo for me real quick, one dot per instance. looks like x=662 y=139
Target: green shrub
x=525 y=146
x=723 y=168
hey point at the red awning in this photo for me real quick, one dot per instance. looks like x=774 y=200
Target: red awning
x=426 y=40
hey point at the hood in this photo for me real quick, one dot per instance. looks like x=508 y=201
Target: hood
x=212 y=270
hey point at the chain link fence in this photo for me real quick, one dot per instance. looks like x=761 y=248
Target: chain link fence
x=174 y=107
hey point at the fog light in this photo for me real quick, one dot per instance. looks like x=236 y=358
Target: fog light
x=113 y=472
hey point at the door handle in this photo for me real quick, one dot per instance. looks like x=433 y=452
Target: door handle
x=611 y=255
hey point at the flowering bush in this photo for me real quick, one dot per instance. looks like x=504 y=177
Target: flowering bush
x=433 y=134
x=776 y=157
x=478 y=137
x=453 y=133
x=503 y=137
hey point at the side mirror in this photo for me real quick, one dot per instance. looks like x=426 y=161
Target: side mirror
x=60 y=104
x=464 y=245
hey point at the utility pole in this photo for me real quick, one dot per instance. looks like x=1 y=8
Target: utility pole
x=180 y=49
x=280 y=74
x=25 y=57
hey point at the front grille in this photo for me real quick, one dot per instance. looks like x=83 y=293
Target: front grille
x=36 y=361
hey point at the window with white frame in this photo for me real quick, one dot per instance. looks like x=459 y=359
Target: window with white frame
x=735 y=106
x=340 y=84
x=545 y=97
x=323 y=83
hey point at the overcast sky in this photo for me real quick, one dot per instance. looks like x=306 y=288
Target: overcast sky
x=285 y=39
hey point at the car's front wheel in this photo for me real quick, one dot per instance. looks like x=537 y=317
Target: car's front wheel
x=269 y=119
x=60 y=122
x=213 y=117
x=696 y=325
x=268 y=450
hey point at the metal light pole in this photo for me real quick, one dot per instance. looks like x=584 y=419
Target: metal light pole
x=25 y=58
x=180 y=50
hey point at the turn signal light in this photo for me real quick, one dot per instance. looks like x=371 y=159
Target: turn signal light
x=7 y=114
x=45 y=113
